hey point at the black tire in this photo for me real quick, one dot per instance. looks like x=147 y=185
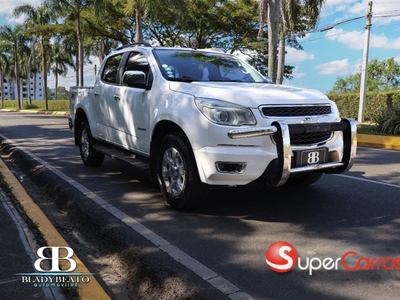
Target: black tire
x=305 y=179
x=90 y=157
x=177 y=173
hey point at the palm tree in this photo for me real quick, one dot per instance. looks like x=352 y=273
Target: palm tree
x=273 y=27
x=137 y=8
x=14 y=43
x=38 y=25
x=142 y=9
x=60 y=60
x=74 y=10
x=4 y=67
x=296 y=16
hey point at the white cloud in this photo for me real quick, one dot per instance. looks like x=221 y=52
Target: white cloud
x=355 y=39
x=296 y=74
x=296 y=56
x=7 y=7
x=352 y=39
x=384 y=14
x=381 y=41
x=339 y=67
x=336 y=67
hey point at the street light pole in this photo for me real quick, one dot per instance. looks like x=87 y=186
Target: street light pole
x=363 y=85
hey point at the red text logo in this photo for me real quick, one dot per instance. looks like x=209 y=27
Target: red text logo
x=281 y=257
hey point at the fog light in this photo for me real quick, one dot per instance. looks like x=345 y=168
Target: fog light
x=230 y=167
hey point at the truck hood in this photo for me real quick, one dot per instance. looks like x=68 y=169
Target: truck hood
x=250 y=94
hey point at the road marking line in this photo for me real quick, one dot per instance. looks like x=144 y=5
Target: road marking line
x=368 y=180
x=178 y=255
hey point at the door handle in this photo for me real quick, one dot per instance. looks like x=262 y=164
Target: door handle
x=116 y=97
x=96 y=93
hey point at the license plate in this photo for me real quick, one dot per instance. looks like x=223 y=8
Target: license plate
x=313 y=157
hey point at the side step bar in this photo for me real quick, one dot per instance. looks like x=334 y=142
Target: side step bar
x=135 y=160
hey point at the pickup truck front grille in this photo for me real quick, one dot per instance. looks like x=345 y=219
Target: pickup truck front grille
x=310 y=138
x=295 y=111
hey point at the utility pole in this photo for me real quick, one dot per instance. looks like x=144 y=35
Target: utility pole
x=364 y=68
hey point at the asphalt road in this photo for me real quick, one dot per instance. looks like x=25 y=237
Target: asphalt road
x=357 y=211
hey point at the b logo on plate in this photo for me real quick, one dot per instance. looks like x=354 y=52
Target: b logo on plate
x=313 y=157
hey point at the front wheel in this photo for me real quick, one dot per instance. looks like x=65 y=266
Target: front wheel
x=177 y=173
x=90 y=156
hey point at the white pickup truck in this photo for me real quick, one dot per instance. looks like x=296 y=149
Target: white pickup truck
x=201 y=118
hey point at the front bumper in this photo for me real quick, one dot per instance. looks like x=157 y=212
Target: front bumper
x=274 y=165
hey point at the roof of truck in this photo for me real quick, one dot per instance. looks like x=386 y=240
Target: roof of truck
x=147 y=45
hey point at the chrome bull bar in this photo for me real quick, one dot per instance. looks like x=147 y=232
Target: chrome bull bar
x=284 y=148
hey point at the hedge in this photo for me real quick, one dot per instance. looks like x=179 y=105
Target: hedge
x=54 y=105
x=347 y=103
x=375 y=102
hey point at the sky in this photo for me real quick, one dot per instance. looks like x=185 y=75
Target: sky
x=326 y=55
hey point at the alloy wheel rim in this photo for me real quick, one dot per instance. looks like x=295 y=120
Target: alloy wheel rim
x=173 y=172
x=85 y=144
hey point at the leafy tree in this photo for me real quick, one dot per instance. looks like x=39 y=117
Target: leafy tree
x=38 y=24
x=382 y=75
x=15 y=44
x=297 y=17
x=4 y=68
x=60 y=60
x=273 y=30
x=62 y=93
x=73 y=10
x=203 y=24
x=286 y=20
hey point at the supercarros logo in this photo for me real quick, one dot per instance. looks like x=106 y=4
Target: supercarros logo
x=281 y=257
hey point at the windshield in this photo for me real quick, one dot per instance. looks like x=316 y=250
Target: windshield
x=194 y=65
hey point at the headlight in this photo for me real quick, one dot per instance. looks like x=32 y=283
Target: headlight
x=225 y=113
x=335 y=110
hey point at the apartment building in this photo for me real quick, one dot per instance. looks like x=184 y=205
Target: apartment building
x=27 y=88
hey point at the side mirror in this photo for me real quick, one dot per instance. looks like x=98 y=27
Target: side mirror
x=134 y=79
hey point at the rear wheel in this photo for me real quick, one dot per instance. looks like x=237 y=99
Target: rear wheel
x=177 y=173
x=90 y=156
x=305 y=179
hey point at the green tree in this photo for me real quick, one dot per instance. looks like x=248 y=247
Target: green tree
x=14 y=43
x=60 y=60
x=38 y=24
x=74 y=11
x=4 y=68
x=203 y=24
x=382 y=75
x=138 y=9
x=62 y=93
x=286 y=20
x=297 y=17
x=273 y=30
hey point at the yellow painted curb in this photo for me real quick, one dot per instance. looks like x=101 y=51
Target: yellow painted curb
x=90 y=290
x=30 y=111
x=381 y=141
